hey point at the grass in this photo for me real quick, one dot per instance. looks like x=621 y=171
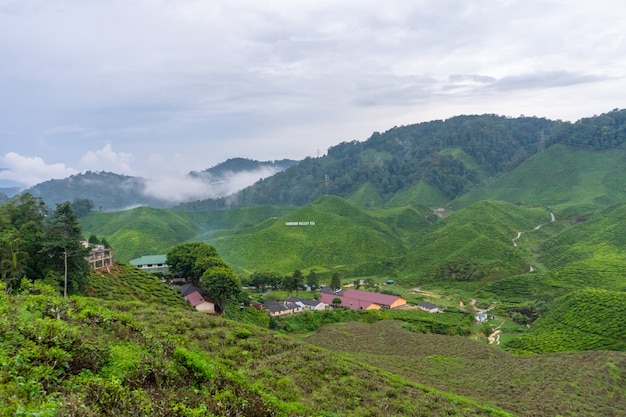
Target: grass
x=566 y=384
x=84 y=356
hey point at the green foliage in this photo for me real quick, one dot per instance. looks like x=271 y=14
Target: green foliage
x=191 y=260
x=86 y=357
x=590 y=319
x=568 y=385
x=125 y=283
x=222 y=284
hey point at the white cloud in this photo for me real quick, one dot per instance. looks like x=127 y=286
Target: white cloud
x=219 y=79
x=31 y=170
x=106 y=159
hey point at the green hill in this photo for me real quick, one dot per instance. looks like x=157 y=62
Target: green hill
x=588 y=319
x=86 y=357
x=473 y=244
x=331 y=233
x=147 y=231
x=571 y=181
x=562 y=384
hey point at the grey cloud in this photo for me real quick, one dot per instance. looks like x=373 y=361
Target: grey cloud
x=544 y=79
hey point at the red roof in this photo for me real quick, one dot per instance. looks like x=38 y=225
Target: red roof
x=372 y=297
x=195 y=298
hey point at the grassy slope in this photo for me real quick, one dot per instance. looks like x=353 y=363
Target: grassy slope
x=87 y=357
x=148 y=231
x=421 y=193
x=344 y=236
x=481 y=233
x=588 y=319
x=125 y=282
x=572 y=384
x=568 y=180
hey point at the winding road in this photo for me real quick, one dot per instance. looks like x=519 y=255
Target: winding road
x=519 y=234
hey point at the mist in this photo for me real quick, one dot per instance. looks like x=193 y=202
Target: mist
x=192 y=188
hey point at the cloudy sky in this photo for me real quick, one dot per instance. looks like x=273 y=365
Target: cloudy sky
x=157 y=88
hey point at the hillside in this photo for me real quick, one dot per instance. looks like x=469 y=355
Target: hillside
x=450 y=158
x=149 y=231
x=565 y=384
x=330 y=234
x=570 y=181
x=80 y=356
x=473 y=244
x=588 y=319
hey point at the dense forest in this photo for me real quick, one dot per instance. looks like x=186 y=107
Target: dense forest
x=452 y=156
x=40 y=243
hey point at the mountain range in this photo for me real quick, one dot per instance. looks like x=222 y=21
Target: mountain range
x=110 y=191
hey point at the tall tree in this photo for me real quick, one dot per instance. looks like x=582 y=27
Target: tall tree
x=222 y=284
x=66 y=253
x=312 y=280
x=298 y=280
x=335 y=281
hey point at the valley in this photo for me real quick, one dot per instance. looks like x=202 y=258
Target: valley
x=520 y=244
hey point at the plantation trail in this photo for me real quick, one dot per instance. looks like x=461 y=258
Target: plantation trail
x=519 y=234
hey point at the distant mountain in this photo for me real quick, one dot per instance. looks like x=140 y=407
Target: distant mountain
x=225 y=170
x=110 y=191
x=434 y=162
x=107 y=190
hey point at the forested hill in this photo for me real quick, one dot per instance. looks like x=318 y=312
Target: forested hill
x=447 y=157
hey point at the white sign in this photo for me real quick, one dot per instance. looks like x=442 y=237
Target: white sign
x=299 y=223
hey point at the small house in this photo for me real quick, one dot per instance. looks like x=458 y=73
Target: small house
x=429 y=307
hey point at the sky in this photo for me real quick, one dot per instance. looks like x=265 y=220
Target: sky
x=158 y=88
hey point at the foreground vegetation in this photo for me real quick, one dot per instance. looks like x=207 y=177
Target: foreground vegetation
x=88 y=357
x=565 y=384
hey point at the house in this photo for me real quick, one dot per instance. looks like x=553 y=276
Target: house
x=361 y=300
x=481 y=318
x=99 y=257
x=282 y=309
x=431 y=308
x=152 y=263
x=307 y=304
x=198 y=298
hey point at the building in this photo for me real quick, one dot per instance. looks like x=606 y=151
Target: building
x=282 y=309
x=361 y=300
x=307 y=304
x=99 y=257
x=428 y=307
x=198 y=298
x=152 y=263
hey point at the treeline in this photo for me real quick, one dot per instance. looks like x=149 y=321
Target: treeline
x=41 y=244
x=452 y=156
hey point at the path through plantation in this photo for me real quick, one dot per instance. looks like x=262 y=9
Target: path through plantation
x=519 y=234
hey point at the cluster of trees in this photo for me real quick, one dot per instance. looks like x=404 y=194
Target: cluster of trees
x=41 y=244
x=296 y=281
x=200 y=264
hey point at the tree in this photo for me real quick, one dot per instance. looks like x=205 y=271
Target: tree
x=336 y=302
x=312 y=280
x=289 y=283
x=335 y=282
x=298 y=280
x=64 y=248
x=262 y=279
x=82 y=206
x=93 y=240
x=222 y=284
x=191 y=260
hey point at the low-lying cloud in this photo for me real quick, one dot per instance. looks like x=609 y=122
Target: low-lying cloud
x=190 y=188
